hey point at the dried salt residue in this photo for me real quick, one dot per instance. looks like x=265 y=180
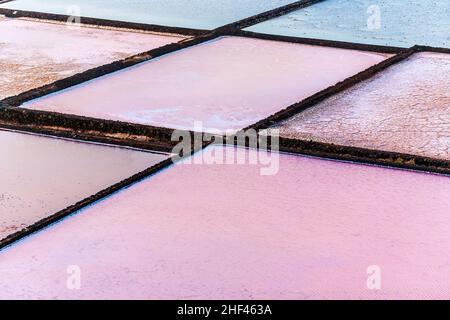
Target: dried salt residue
x=404 y=109
x=381 y=22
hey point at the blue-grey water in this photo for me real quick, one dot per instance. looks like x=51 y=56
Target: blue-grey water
x=197 y=14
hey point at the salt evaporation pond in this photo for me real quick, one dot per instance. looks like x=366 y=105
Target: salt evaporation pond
x=404 y=109
x=393 y=23
x=41 y=175
x=224 y=84
x=197 y=14
x=311 y=231
x=35 y=53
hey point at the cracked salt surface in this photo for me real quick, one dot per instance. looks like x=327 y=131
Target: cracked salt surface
x=197 y=14
x=33 y=54
x=42 y=175
x=307 y=232
x=401 y=23
x=405 y=108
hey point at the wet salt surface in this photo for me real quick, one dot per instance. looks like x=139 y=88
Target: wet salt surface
x=33 y=54
x=197 y=14
x=404 y=109
x=401 y=23
x=311 y=231
x=41 y=176
x=226 y=84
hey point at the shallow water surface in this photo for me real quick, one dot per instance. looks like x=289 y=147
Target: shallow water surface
x=197 y=14
x=227 y=232
x=405 y=108
x=41 y=175
x=382 y=22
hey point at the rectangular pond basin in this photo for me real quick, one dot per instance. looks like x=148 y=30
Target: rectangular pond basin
x=405 y=108
x=313 y=230
x=41 y=175
x=224 y=84
x=35 y=53
x=196 y=14
x=391 y=23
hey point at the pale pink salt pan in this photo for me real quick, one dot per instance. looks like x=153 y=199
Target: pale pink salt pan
x=40 y=176
x=34 y=53
x=225 y=231
x=404 y=109
x=228 y=83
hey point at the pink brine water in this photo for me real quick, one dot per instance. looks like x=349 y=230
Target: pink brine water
x=405 y=108
x=202 y=231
